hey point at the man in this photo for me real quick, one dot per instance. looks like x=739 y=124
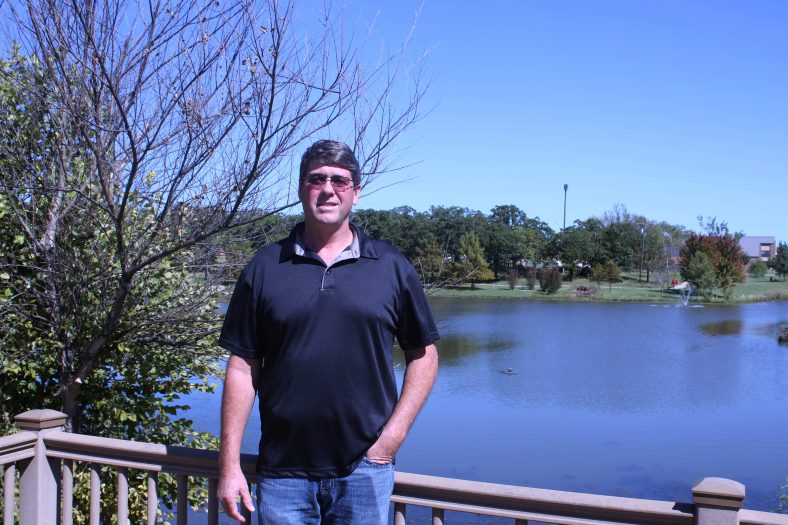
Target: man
x=310 y=328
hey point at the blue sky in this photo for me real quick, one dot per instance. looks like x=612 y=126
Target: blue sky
x=673 y=108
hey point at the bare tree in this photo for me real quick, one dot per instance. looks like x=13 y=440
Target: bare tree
x=171 y=123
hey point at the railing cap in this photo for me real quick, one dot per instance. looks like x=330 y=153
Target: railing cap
x=719 y=492
x=40 y=419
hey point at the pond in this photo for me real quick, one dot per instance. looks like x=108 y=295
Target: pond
x=622 y=399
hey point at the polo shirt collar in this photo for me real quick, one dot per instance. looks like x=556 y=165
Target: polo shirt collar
x=360 y=247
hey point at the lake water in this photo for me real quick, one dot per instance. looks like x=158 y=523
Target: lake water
x=623 y=399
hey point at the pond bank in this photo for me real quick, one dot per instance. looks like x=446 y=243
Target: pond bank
x=582 y=290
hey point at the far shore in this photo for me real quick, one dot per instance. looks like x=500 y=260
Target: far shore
x=768 y=288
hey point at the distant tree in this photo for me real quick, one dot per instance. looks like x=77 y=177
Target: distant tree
x=612 y=273
x=725 y=259
x=502 y=246
x=598 y=274
x=700 y=272
x=757 y=269
x=429 y=259
x=449 y=224
x=509 y=215
x=622 y=243
x=512 y=277
x=472 y=267
x=779 y=263
x=550 y=280
x=530 y=277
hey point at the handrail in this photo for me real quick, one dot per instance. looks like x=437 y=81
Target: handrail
x=17 y=447
x=145 y=456
x=32 y=453
x=527 y=503
x=758 y=517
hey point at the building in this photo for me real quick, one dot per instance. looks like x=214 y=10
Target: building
x=763 y=248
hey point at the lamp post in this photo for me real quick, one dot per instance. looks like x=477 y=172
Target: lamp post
x=566 y=187
x=642 y=249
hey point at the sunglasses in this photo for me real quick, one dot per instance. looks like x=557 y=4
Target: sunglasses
x=338 y=182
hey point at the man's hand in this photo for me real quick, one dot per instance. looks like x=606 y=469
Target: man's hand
x=232 y=485
x=420 y=372
x=381 y=452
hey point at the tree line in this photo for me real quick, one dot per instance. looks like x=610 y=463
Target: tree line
x=451 y=245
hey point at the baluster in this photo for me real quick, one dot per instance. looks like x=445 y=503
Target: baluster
x=399 y=514
x=520 y=522
x=95 y=494
x=153 y=497
x=123 y=496
x=183 y=498
x=9 y=488
x=437 y=516
x=67 y=511
x=213 y=502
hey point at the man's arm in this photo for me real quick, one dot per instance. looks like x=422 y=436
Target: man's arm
x=421 y=369
x=240 y=384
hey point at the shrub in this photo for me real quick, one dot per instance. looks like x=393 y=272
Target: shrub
x=530 y=278
x=512 y=277
x=757 y=269
x=550 y=280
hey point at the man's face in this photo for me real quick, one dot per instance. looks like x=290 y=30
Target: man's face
x=323 y=203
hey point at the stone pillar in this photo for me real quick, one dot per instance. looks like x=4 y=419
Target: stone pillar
x=717 y=501
x=39 y=478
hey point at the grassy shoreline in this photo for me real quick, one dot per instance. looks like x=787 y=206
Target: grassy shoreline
x=629 y=290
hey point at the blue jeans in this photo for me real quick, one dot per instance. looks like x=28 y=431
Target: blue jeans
x=362 y=498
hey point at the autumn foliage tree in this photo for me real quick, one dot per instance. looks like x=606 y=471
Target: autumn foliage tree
x=725 y=260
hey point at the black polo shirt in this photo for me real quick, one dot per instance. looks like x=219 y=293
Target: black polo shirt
x=325 y=336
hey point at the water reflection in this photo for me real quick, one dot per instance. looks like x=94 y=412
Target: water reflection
x=455 y=348
x=722 y=328
x=623 y=399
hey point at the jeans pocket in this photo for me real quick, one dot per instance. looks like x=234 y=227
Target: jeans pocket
x=367 y=461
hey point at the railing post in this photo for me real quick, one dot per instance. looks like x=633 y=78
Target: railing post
x=399 y=514
x=39 y=480
x=717 y=501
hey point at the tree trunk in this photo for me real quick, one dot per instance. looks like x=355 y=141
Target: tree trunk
x=70 y=406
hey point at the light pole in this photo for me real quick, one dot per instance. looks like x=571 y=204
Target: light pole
x=566 y=187
x=642 y=249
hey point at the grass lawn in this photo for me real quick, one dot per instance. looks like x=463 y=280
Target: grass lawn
x=753 y=290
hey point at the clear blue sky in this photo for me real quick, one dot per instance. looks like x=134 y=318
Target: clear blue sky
x=672 y=108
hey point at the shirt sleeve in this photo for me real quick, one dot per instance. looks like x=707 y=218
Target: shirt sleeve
x=416 y=327
x=240 y=329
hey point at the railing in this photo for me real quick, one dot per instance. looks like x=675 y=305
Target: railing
x=42 y=457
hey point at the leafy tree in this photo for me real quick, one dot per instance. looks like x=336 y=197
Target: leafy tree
x=472 y=267
x=509 y=215
x=622 y=243
x=757 y=269
x=512 y=277
x=722 y=254
x=700 y=272
x=430 y=262
x=550 y=280
x=612 y=273
x=598 y=274
x=779 y=263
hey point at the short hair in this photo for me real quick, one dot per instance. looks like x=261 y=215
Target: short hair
x=331 y=153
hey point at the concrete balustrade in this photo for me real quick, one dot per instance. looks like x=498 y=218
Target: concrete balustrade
x=42 y=456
